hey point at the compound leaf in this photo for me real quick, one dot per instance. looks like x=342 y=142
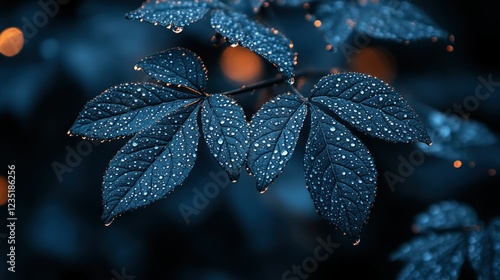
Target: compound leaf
x=126 y=109
x=174 y=15
x=371 y=106
x=484 y=251
x=392 y=20
x=274 y=131
x=177 y=66
x=265 y=41
x=340 y=174
x=226 y=132
x=151 y=164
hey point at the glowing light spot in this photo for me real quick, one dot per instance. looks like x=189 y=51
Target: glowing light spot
x=457 y=164
x=328 y=47
x=308 y=17
x=452 y=38
x=472 y=164
x=449 y=48
x=375 y=61
x=306 y=6
x=241 y=65
x=11 y=41
x=4 y=184
x=317 y=23
x=434 y=39
x=492 y=172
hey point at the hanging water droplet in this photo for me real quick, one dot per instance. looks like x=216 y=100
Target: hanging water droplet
x=264 y=190
x=177 y=29
x=234 y=45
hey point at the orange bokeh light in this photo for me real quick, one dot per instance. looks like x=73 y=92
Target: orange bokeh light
x=374 y=61
x=457 y=164
x=241 y=65
x=3 y=190
x=11 y=41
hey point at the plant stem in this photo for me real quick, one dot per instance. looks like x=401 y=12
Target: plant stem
x=273 y=81
x=257 y=85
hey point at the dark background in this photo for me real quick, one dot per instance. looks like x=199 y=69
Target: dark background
x=89 y=46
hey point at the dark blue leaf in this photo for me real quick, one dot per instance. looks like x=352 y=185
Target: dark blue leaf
x=126 y=109
x=393 y=20
x=274 y=131
x=151 y=164
x=434 y=256
x=371 y=106
x=226 y=132
x=440 y=251
x=174 y=15
x=453 y=136
x=265 y=41
x=484 y=251
x=177 y=66
x=337 y=21
x=446 y=215
x=340 y=174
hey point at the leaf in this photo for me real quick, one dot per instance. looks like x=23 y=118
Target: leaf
x=177 y=66
x=371 y=106
x=440 y=251
x=484 y=251
x=432 y=257
x=274 y=131
x=265 y=41
x=126 y=109
x=392 y=20
x=226 y=132
x=174 y=15
x=446 y=215
x=340 y=174
x=151 y=164
x=452 y=136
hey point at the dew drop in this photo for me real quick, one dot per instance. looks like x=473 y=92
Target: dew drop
x=284 y=153
x=134 y=144
x=332 y=128
x=177 y=29
x=264 y=190
x=220 y=141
